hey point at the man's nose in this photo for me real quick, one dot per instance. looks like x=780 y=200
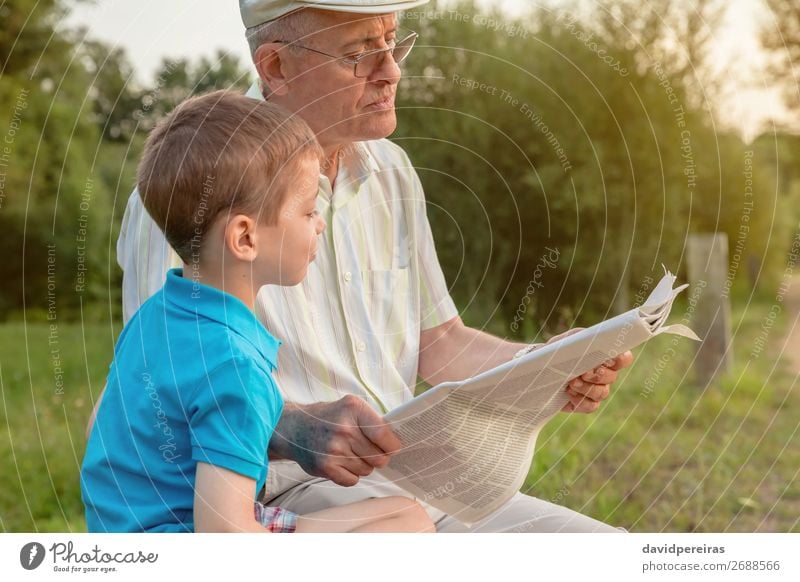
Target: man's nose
x=321 y=224
x=387 y=69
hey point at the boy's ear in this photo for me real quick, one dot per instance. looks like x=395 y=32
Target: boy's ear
x=241 y=237
x=269 y=63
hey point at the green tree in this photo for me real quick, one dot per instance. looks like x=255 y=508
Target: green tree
x=584 y=130
x=54 y=212
x=114 y=93
x=74 y=118
x=177 y=79
x=780 y=36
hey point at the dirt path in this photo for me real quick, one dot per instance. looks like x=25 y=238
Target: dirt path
x=791 y=343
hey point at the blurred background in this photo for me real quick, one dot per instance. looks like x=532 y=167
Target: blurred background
x=568 y=149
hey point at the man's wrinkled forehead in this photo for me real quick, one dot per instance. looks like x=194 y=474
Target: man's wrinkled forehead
x=348 y=29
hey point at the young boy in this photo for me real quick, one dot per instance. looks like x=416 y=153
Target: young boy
x=179 y=443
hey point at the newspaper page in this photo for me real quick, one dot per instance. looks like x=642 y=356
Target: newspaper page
x=468 y=445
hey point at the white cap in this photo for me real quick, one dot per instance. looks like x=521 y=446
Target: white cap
x=255 y=12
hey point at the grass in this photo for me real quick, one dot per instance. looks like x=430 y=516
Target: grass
x=42 y=422
x=678 y=458
x=674 y=459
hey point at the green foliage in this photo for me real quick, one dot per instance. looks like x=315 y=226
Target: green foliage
x=73 y=119
x=587 y=132
x=26 y=29
x=112 y=91
x=780 y=36
x=54 y=210
x=178 y=79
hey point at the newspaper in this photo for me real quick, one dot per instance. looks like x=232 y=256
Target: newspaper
x=468 y=445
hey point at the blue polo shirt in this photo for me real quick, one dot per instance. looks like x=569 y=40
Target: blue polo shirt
x=191 y=381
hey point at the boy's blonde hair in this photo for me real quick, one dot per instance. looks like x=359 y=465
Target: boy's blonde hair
x=220 y=153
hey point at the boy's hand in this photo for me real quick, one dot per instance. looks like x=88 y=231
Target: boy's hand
x=341 y=441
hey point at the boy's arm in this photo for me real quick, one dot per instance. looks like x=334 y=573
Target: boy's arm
x=223 y=501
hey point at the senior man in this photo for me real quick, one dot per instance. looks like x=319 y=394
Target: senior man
x=374 y=313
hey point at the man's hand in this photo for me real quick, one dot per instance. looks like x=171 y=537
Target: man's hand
x=341 y=441
x=587 y=391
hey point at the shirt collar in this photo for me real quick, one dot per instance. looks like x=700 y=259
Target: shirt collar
x=360 y=161
x=214 y=304
x=255 y=90
x=356 y=166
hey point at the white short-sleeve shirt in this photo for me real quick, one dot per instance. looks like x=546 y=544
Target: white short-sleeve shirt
x=353 y=325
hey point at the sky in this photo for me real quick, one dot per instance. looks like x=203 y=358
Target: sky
x=152 y=29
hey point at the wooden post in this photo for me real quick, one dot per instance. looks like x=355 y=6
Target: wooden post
x=707 y=260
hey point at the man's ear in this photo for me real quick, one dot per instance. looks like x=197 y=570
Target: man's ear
x=271 y=68
x=241 y=238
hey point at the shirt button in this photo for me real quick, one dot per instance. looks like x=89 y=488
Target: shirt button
x=361 y=346
x=348 y=276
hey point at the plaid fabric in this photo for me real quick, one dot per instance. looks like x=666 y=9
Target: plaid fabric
x=275 y=519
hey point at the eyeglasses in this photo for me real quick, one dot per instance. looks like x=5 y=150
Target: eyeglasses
x=366 y=62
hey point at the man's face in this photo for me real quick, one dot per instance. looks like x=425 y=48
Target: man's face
x=340 y=107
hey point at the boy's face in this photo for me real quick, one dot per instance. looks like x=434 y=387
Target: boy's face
x=291 y=244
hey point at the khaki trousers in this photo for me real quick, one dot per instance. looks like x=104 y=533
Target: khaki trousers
x=289 y=487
